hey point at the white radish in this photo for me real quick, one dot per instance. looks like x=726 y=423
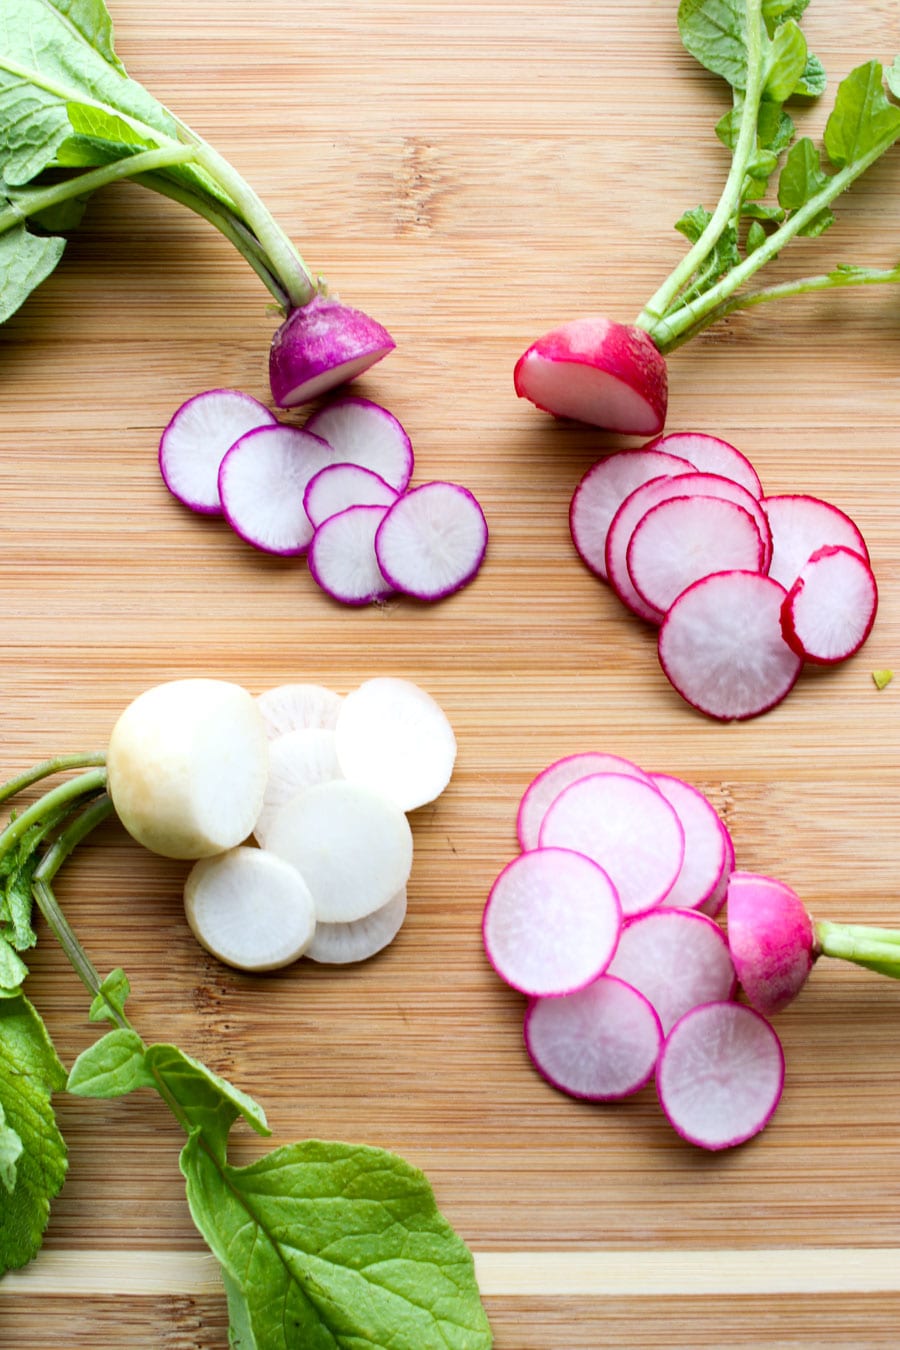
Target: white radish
x=363 y=433
x=705 y=848
x=677 y=959
x=320 y=345
x=342 y=559
x=829 y=611
x=602 y=491
x=338 y=486
x=298 y=759
x=550 y=782
x=262 y=482
x=291 y=707
x=432 y=540
x=196 y=439
x=710 y=454
x=394 y=738
x=347 y=943
x=801 y=525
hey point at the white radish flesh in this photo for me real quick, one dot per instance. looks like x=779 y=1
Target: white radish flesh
x=602 y=491
x=346 y=943
x=432 y=540
x=195 y=442
x=829 y=611
x=298 y=759
x=800 y=526
x=715 y=903
x=550 y=782
x=262 y=482
x=363 y=433
x=342 y=559
x=677 y=959
x=338 y=486
x=705 y=849
x=291 y=707
x=394 y=738
x=321 y=345
x=710 y=454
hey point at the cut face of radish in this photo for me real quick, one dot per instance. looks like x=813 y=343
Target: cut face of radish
x=772 y=940
x=602 y=491
x=262 y=482
x=298 y=759
x=363 y=433
x=547 y=786
x=321 y=345
x=600 y=1043
x=432 y=540
x=345 y=943
x=291 y=707
x=394 y=738
x=551 y=922
x=678 y=959
x=709 y=454
x=249 y=909
x=704 y=843
x=338 y=486
x=599 y=372
x=720 y=1075
x=829 y=611
x=722 y=649
x=800 y=526
x=342 y=558
x=196 y=439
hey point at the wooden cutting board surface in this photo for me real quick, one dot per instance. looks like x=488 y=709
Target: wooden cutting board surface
x=471 y=175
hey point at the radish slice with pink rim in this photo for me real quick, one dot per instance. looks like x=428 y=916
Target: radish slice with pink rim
x=196 y=439
x=829 y=611
x=716 y=901
x=677 y=959
x=710 y=454
x=602 y=491
x=432 y=541
x=705 y=850
x=342 y=560
x=289 y=707
x=363 y=433
x=347 y=943
x=550 y=782
x=262 y=482
x=320 y=345
x=800 y=526
x=339 y=486
x=772 y=940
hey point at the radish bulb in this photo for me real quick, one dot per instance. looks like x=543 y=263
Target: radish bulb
x=321 y=345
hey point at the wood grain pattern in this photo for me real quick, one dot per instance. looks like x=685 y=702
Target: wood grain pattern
x=470 y=174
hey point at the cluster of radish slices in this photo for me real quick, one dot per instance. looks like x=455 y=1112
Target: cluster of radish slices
x=743 y=587
x=335 y=490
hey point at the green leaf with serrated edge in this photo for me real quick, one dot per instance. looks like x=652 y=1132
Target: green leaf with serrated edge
x=11 y=1148
x=813 y=82
x=786 y=62
x=25 y=261
x=862 y=120
x=114 y=993
x=111 y=1067
x=802 y=176
x=715 y=34
x=92 y=20
x=760 y=211
x=12 y=968
x=205 y=1101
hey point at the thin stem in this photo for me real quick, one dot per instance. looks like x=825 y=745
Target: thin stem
x=838 y=280
x=47 y=767
x=74 y=790
x=876 y=949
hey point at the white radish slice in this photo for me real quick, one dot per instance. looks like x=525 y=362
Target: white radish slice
x=551 y=922
x=432 y=540
x=338 y=486
x=341 y=556
x=394 y=738
x=298 y=759
x=352 y=847
x=602 y=491
x=678 y=959
x=291 y=707
x=601 y=1043
x=550 y=782
x=710 y=454
x=800 y=526
x=722 y=649
x=196 y=440
x=720 y=1075
x=362 y=432
x=627 y=828
x=705 y=849
x=686 y=538
x=344 y=943
x=250 y=909
x=716 y=901
x=262 y=482
x=829 y=611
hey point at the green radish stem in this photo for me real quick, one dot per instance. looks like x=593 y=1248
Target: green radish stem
x=876 y=949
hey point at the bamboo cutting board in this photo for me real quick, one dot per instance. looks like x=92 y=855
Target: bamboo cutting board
x=471 y=175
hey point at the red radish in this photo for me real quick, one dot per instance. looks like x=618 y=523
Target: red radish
x=550 y=782
x=677 y=959
x=551 y=922
x=705 y=843
x=393 y=737
x=339 y=486
x=709 y=454
x=800 y=526
x=720 y=1075
x=262 y=481
x=363 y=433
x=600 y=1043
x=602 y=491
x=320 y=345
x=772 y=940
x=432 y=541
x=196 y=439
x=289 y=707
x=829 y=611
x=342 y=558
x=346 y=943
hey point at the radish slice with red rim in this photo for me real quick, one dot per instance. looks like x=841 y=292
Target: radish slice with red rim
x=800 y=526
x=829 y=611
x=196 y=439
x=262 y=482
x=432 y=540
x=394 y=738
x=347 y=943
x=677 y=958
x=602 y=491
x=339 y=486
x=342 y=559
x=363 y=433
x=710 y=454
x=298 y=759
x=550 y=782
x=290 y=707
x=716 y=901
x=705 y=850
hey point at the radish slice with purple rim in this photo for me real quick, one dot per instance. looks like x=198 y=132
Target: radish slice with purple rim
x=432 y=541
x=343 y=944
x=298 y=759
x=600 y=1043
x=363 y=433
x=196 y=439
x=550 y=782
x=320 y=345
x=602 y=491
x=339 y=486
x=710 y=454
x=289 y=707
x=705 y=850
x=800 y=526
x=720 y=1075
x=677 y=959
x=829 y=611
x=262 y=482
x=393 y=737
x=342 y=559
x=772 y=940
x=551 y=922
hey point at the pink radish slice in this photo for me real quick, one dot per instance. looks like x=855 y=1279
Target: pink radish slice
x=677 y=959
x=548 y=784
x=342 y=557
x=627 y=828
x=716 y=901
x=597 y=371
x=601 y=1043
x=338 y=486
x=345 y=943
x=321 y=345
x=771 y=938
x=709 y=454
x=705 y=850
x=721 y=646
x=363 y=433
x=551 y=922
x=800 y=526
x=262 y=481
x=196 y=439
x=720 y=1075
x=602 y=491
x=686 y=538
x=290 y=707
x=432 y=540
x=829 y=611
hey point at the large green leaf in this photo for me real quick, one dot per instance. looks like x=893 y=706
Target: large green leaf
x=863 y=122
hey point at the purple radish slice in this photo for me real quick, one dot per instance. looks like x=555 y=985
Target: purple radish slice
x=363 y=433
x=829 y=611
x=772 y=940
x=290 y=707
x=551 y=922
x=677 y=959
x=321 y=345
x=550 y=782
x=721 y=647
x=262 y=482
x=705 y=849
x=600 y=1043
x=196 y=440
x=345 y=943
x=602 y=491
x=625 y=826
x=338 y=486
x=800 y=526
x=432 y=541
x=709 y=454
x=716 y=901
x=393 y=737
x=720 y=1075
x=342 y=559
x=298 y=759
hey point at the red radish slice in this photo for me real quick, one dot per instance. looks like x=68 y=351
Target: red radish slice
x=321 y=345
x=677 y=959
x=343 y=943
x=298 y=759
x=551 y=922
x=338 y=486
x=548 y=784
x=721 y=646
x=800 y=526
x=716 y=902
x=705 y=850
x=196 y=439
x=829 y=611
x=601 y=1043
x=627 y=828
x=709 y=454
x=686 y=538
x=290 y=707
x=342 y=559
x=602 y=491
x=432 y=540
x=720 y=1075
x=363 y=433
x=393 y=737
x=262 y=481
x=771 y=938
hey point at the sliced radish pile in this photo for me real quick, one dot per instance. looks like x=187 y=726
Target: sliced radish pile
x=707 y=845
x=800 y=526
x=602 y=491
x=292 y=707
x=550 y=782
x=677 y=959
x=339 y=486
x=829 y=611
x=262 y=483
x=362 y=433
x=298 y=759
x=342 y=558
x=432 y=541
x=710 y=454
x=344 y=943
x=197 y=439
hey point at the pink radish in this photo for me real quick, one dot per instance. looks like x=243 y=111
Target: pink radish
x=432 y=541
x=705 y=843
x=600 y=1043
x=772 y=940
x=338 y=486
x=342 y=559
x=677 y=959
x=320 y=345
x=709 y=454
x=363 y=433
x=829 y=611
x=196 y=439
x=289 y=707
x=715 y=903
x=602 y=491
x=262 y=481
x=800 y=526
x=720 y=1075
x=550 y=782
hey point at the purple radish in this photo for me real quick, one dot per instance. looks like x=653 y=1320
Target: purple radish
x=262 y=482
x=338 y=486
x=196 y=439
x=550 y=782
x=432 y=541
x=829 y=611
x=720 y=1075
x=709 y=454
x=320 y=345
x=602 y=491
x=800 y=526
x=600 y=1043
x=363 y=433
x=291 y=707
x=551 y=922
x=705 y=846
x=342 y=558
x=677 y=959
